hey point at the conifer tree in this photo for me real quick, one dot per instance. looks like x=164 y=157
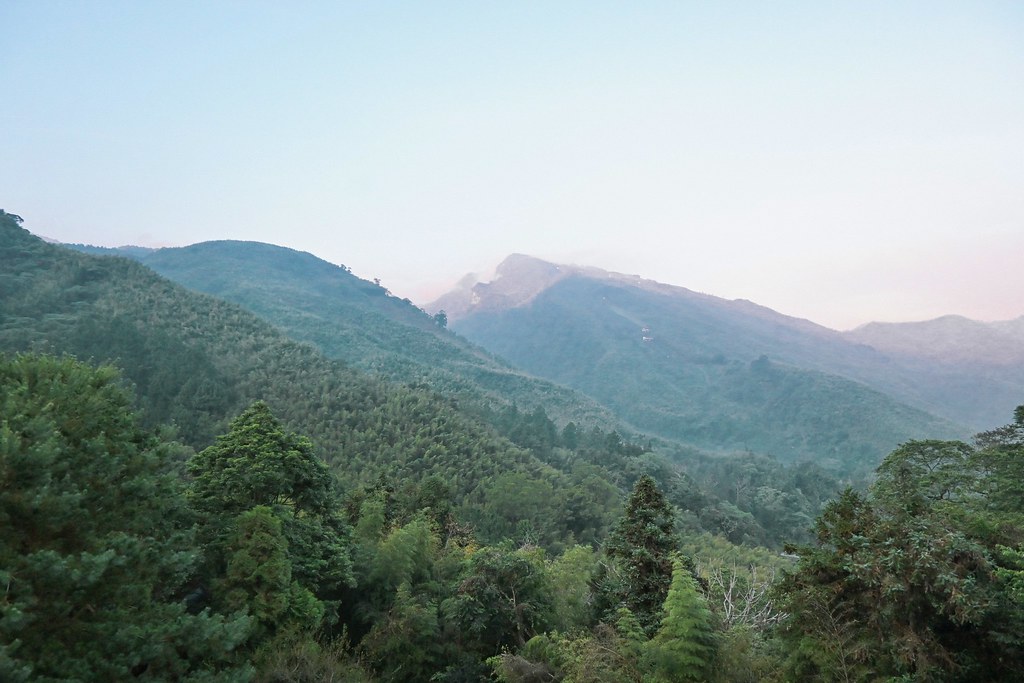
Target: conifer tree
x=640 y=550
x=94 y=539
x=683 y=648
x=259 y=577
x=257 y=463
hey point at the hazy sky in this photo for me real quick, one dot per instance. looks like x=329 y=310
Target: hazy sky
x=842 y=162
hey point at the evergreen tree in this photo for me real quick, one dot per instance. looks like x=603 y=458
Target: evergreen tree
x=503 y=599
x=683 y=648
x=255 y=464
x=639 y=550
x=404 y=644
x=95 y=542
x=910 y=580
x=259 y=577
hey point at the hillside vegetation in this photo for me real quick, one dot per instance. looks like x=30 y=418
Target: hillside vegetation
x=358 y=322
x=256 y=568
x=675 y=366
x=196 y=361
x=230 y=505
x=968 y=372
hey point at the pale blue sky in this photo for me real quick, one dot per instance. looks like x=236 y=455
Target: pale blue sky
x=843 y=162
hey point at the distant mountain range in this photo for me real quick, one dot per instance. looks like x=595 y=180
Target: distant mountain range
x=969 y=372
x=665 y=361
x=951 y=339
x=723 y=375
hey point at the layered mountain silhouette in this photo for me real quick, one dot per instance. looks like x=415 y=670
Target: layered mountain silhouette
x=358 y=322
x=733 y=374
x=195 y=361
x=665 y=361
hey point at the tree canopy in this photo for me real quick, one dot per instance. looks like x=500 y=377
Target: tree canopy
x=95 y=539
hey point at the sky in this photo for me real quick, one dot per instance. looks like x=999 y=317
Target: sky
x=837 y=161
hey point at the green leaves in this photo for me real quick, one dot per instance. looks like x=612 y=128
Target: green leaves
x=257 y=463
x=259 y=577
x=262 y=492
x=640 y=552
x=921 y=474
x=684 y=646
x=503 y=599
x=93 y=541
x=913 y=579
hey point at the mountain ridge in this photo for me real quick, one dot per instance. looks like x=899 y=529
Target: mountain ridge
x=970 y=389
x=358 y=322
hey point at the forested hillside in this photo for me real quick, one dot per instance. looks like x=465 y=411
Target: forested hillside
x=681 y=367
x=254 y=567
x=230 y=505
x=358 y=322
x=196 y=361
x=967 y=372
x=748 y=498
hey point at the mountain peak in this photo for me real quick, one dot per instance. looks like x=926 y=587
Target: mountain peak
x=517 y=280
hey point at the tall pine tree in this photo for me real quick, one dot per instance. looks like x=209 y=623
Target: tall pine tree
x=639 y=550
x=258 y=464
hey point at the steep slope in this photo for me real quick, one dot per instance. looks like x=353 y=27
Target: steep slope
x=906 y=361
x=358 y=322
x=715 y=373
x=196 y=361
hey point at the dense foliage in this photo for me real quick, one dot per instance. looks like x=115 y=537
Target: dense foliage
x=320 y=524
x=920 y=577
x=358 y=322
x=706 y=375
x=196 y=362
x=96 y=543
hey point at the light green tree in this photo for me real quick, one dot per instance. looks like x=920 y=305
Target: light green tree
x=683 y=649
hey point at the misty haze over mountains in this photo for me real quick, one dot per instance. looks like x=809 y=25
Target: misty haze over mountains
x=965 y=371
x=521 y=435
x=669 y=362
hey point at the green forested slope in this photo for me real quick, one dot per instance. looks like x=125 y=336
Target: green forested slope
x=359 y=322
x=695 y=378
x=256 y=567
x=197 y=361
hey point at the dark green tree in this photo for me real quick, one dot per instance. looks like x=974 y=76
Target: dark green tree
x=95 y=540
x=503 y=599
x=639 y=551
x=259 y=581
x=258 y=463
x=907 y=581
x=1000 y=458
